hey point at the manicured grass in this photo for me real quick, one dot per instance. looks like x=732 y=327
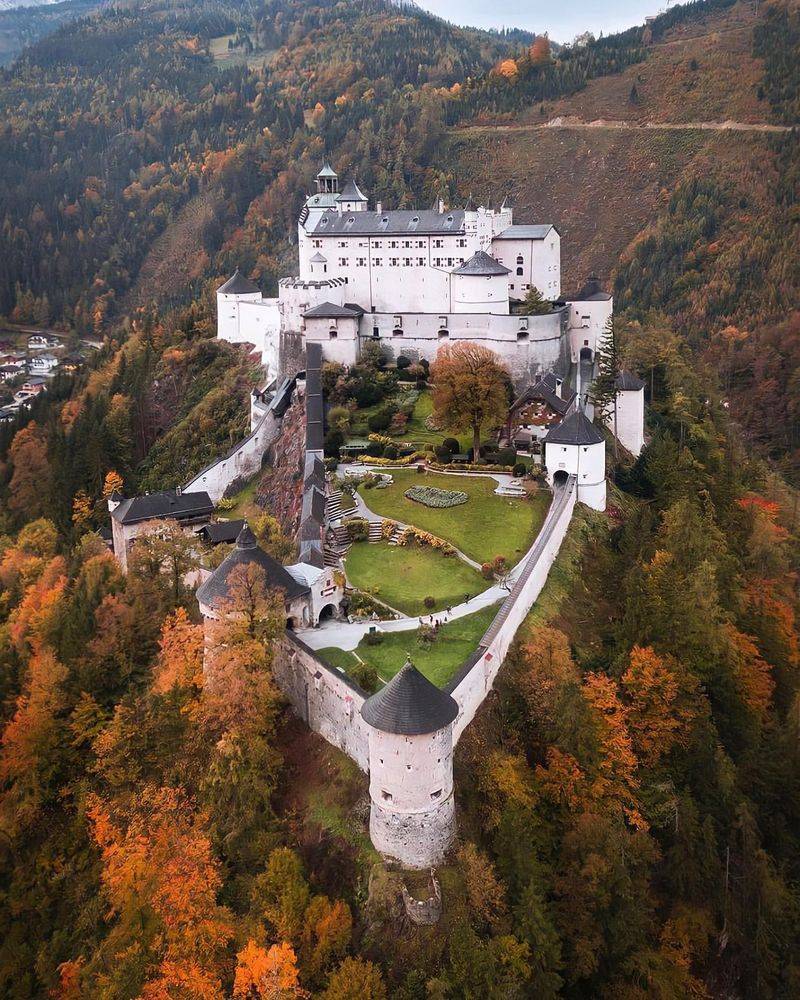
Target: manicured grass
x=417 y=431
x=485 y=526
x=456 y=641
x=404 y=575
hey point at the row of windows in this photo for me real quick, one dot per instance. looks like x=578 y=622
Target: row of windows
x=397 y=332
x=402 y=261
x=391 y=244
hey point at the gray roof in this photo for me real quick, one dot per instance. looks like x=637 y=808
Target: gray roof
x=247 y=552
x=397 y=223
x=352 y=192
x=481 y=264
x=329 y=310
x=315 y=415
x=545 y=388
x=312 y=516
x=167 y=504
x=238 y=284
x=222 y=531
x=319 y=259
x=327 y=170
x=574 y=429
x=627 y=382
x=525 y=232
x=409 y=705
x=35 y=380
x=592 y=291
x=314 y=473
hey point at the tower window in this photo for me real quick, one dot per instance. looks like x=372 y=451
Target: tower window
x=437 y=794
x=519 y=272
x=443 y=335
x=397 y=332
x=386 y=796
x=333 y=333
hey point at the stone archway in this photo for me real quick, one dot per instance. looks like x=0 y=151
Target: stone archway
x=587 y=354
x=560 y=478
x=328 y=611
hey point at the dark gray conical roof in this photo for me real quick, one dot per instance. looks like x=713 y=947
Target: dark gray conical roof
x=409 y=705
x=238 y=284
x=482 y=265
x=628 y=382
x=574 y=429
x=247 y=550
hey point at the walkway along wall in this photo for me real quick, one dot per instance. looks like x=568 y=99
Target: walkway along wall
x=472 y=683
x=244 y=459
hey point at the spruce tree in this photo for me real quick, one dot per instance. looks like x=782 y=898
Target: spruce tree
x=603 y=391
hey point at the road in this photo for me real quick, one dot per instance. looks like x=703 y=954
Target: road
x=571 y=122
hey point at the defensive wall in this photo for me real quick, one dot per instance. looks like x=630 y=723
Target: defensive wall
x=473 y=681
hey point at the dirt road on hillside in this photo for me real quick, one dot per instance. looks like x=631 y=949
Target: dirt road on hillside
x=569 y=122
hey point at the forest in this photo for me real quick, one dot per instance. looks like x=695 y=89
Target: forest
x=628 y=797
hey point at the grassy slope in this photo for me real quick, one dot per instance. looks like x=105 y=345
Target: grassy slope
x=403 y=576
x=485 y=526
x=602 y=187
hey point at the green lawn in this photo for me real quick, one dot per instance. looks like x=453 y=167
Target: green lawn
x=485 y=526
x=417 y=431
x=456 y=641
x=244 y=501
x=403 y=576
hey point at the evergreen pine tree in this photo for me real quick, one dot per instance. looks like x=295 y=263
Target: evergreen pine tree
x=603 y=391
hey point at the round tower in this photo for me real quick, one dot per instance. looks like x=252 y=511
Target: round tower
x=236 y=290
x=412 y=810
x=480 y=285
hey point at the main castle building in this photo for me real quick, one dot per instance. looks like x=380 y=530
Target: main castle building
x=412 y=280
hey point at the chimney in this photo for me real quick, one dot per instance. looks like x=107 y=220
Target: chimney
x=379 y=207
x=559 y=383
x=441 y=206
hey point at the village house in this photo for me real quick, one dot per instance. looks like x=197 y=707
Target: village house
x=42 y=363
x=543 y=405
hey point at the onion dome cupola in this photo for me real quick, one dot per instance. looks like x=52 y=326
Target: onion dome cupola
x=409 y=705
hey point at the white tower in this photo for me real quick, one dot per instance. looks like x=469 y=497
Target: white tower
x=575 y=447
x=230 y=296
x=630 y=413
x=480 y=285
x=589 y=313
x=412 y=811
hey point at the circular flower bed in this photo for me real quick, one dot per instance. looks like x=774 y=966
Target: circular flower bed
x=432 y=496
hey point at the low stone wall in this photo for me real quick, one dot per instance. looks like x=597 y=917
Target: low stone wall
x=471 y=684
x=325 y=699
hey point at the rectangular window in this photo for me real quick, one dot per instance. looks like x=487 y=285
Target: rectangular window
x=438 y=243
x=420 y=261
x=462 y=242
x=316 y=243
x=344 y=262
x=420 y=243
x=393 y=243
x=377 y=262
x=393 y=261
x=406 y=262
x=406 y=244
x=449 y=261
x=361 y=261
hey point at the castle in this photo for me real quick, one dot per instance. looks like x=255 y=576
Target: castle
x=411 y=280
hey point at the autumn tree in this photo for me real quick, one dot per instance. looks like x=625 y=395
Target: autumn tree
x=281 y=894
x=30 y=480
x=470 y=389
x=267 y=974
x=356 y=979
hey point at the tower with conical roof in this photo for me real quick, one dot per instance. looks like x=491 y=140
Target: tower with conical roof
x=576 y=447
x=412 y=811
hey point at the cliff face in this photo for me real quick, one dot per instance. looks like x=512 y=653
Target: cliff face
x=281 y=487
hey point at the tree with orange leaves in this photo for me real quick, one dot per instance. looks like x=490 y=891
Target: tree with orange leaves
x=180 y=658
x=28 y=486
x=751 y=672
x=36 y=618
x=470 y=388
x=540 y=51
x=327 y=930
x=161 y=880
x=661 y=708
x=263 y=974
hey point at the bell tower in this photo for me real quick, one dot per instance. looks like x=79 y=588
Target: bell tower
x=327 y=180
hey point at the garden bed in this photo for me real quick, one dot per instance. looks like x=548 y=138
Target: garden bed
x=432 y=496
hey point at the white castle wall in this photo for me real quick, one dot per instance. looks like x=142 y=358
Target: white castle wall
x=412 y=814
x=540 y=264
x=472 y=684
x=242 y=461
x=324 y=698
x=586 y=462
x=630 y=420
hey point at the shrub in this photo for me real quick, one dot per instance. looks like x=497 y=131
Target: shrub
x=374 y=448
x=380 y=420
x=520 y=469
x=364 y=675
x=429 y=602
x=486 y=571
x=331 y=464
x=451 y=444
x=339 y=419
x=357 y=528
x=442 y=453
x=506 y=456
x=403 y=362
x=426 y=635
x=333 y=442
x=390 y=451
x=373 y=638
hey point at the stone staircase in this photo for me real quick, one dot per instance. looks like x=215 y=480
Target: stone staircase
x=338 y=504
x=336 y=546
x=375 y=531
